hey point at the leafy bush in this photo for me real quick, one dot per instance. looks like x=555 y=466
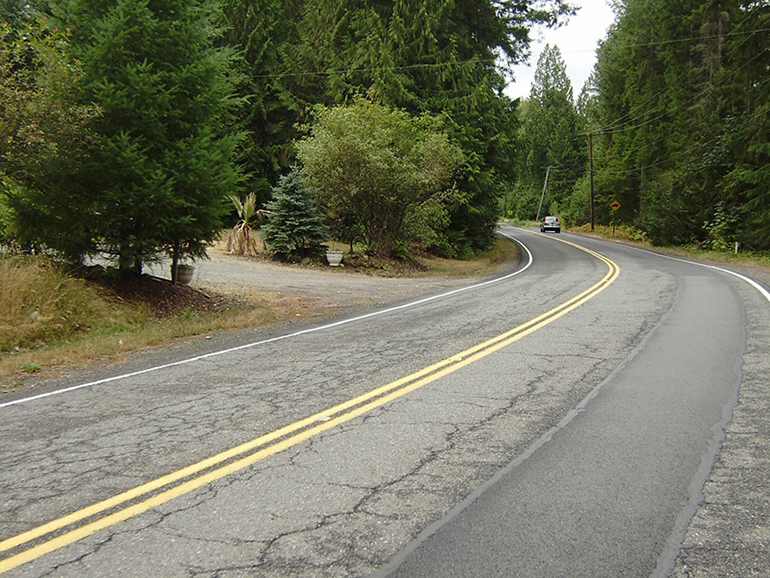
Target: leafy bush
x=295 y=228
x=43 y=135
x=375 y=167
x=723 y=229
x=7 y=235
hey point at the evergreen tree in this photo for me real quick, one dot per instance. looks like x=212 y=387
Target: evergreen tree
x=263 y=31
x=295 y=228
x=746 y=90
x=157 y=180
x=683 y=114
x=434 y=56
x=550 y=137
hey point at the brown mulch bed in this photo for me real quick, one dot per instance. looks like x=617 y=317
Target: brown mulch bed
x=165 y=299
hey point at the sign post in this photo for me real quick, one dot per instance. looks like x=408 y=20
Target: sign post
x=614 y=205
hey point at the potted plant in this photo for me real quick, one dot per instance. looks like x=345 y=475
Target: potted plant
x=333 y=256
x=181 y=272
x=184 y=273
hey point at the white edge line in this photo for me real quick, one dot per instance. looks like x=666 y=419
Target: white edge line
x=748 y=280
x=281 y=337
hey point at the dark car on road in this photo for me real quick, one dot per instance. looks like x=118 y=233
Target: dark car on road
x=550 y=224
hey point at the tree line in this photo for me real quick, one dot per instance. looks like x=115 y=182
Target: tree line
x=677 y=113
x=130 y=122
x=126 y=126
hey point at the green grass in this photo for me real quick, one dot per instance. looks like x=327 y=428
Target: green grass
x=627 y=234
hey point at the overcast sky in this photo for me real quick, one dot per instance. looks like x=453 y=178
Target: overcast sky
x=577 y=42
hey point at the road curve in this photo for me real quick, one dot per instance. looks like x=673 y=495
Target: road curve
x=610 y=491
x=527 y=430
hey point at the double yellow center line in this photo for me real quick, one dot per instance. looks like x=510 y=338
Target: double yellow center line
x=76 y=526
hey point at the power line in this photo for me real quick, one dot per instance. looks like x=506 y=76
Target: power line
x=621 y=122
x=474 y=61
x=743 y=125
x=756 y=114
x=615 y=128
x=379 y=68
x=678 y=40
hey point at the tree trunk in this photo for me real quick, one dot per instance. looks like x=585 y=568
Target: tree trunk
x=174 y=262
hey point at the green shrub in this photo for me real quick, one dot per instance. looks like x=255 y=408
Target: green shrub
x=7 y=235
x=376 y=167
x=723 y=229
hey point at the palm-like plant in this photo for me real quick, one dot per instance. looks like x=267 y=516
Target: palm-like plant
x=241 y=240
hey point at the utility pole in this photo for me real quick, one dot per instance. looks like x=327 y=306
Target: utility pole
x=545 y=188
x=642 y=188
x=591 y=173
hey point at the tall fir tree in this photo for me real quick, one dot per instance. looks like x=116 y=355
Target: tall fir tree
x=263 y=31
x=683 y=119
x=434 y=56
x=156 y=182
x=551 y=140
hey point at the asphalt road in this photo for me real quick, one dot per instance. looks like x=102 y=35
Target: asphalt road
x=576 y=441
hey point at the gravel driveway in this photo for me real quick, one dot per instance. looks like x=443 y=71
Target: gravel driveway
x=324 y=287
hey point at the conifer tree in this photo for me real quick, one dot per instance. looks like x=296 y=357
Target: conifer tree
x=157 y=180
x=683 y=109
x=262 y=31
x=550 y=138
x=295 y=228
x=430 y=56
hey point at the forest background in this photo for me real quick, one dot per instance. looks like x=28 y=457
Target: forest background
x=125 y=125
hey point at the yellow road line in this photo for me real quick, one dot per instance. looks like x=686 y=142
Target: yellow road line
x=351 y=408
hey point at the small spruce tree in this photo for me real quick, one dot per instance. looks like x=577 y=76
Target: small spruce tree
x=295 y=228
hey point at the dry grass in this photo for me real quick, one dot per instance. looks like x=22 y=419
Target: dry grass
x=40 y=303
x=108 y=342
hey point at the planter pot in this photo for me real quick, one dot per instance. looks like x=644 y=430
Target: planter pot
x=184 y=274
x=334 y=258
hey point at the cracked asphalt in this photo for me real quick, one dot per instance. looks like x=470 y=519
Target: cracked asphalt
x=349 y=501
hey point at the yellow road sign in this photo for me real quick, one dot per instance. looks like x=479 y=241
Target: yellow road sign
x=615 y=205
